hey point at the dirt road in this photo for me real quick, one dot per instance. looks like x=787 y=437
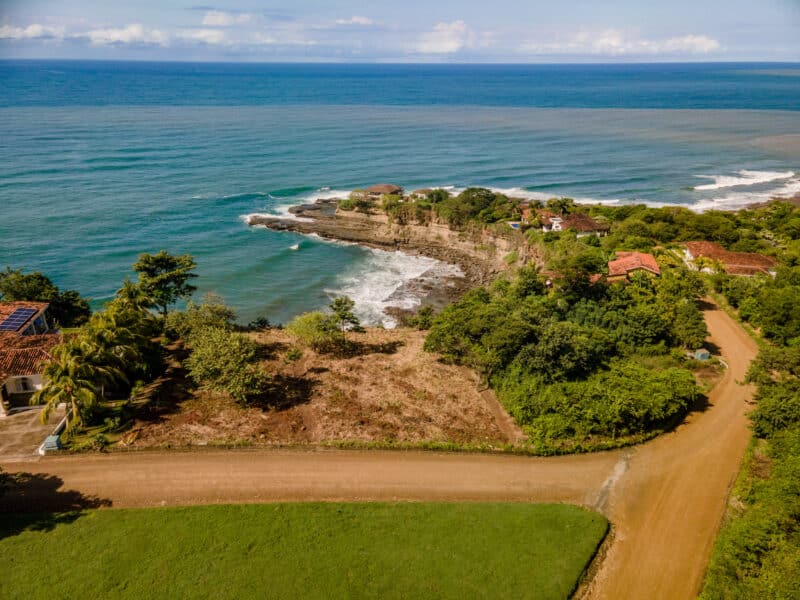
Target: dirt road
x=670 y=495
x=665 y=498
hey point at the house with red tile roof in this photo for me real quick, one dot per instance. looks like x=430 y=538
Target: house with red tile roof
x=734 y=263
x=25 y=343
x=581 y=223
x=630 y=262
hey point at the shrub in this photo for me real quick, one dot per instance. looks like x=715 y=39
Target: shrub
x=293 y=355
x=317 y=330
x=259 y=323
x=423 y=319
x=223 y=361
x=210 y=312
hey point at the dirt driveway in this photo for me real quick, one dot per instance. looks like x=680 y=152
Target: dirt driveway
x=665 y=498
x=22 y=433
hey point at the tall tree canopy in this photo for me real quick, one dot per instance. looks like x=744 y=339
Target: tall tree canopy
x=165 y=277
x=67 y=308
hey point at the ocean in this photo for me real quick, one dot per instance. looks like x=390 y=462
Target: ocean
x=102 y=161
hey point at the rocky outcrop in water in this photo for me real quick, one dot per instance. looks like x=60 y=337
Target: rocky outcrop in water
x=479 y=253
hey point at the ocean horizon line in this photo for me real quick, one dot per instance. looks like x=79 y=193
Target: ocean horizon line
x=587 y=63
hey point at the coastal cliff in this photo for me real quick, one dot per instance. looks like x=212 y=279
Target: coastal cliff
x=480 y=252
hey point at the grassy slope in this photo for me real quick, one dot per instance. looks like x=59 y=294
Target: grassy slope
x=376 y=550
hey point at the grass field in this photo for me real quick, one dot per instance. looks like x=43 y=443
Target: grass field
x=322 y=550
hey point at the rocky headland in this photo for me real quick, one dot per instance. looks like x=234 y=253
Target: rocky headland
x=479 y=252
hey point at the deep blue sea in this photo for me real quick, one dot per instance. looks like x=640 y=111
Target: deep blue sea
x=102 y=161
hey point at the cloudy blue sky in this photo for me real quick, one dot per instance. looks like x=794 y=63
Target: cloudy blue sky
x=403 y=30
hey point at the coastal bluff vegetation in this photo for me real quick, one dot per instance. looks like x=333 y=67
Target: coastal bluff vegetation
x=550 y=350
x=556 y=352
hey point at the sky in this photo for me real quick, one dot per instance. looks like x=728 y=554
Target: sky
x=416 y=31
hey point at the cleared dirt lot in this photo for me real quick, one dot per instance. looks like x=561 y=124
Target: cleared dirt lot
x=388 y=389
x=665 y=498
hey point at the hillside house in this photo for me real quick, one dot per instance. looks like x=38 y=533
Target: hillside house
x=580 y=223
x=734 y=263
x=25 y=342
x=631 y=262
x=381 y=189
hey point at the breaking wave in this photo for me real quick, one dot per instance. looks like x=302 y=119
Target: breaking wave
x=390 y=279
x=743 y=178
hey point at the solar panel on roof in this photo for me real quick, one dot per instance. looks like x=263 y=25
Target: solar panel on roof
x=17 y=319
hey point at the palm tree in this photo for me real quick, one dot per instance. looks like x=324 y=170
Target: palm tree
x=133 y=296
x=68 y=378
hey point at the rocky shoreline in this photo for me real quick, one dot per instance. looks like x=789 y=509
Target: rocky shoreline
x=479 y=266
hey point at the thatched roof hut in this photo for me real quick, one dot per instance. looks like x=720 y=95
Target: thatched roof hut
x=384 y=188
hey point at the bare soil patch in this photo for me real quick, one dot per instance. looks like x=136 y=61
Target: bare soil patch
x=386 y=390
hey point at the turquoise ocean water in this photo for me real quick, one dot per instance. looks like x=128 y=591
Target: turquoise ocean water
x=102 y=161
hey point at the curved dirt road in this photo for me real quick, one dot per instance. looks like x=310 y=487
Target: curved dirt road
x=665 y=498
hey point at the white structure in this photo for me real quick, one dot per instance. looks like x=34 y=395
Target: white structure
x=25 y=342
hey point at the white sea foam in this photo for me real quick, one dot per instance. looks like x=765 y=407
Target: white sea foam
x=282 y=210
x=736 y=200
x=743 y=178
x=384 y=280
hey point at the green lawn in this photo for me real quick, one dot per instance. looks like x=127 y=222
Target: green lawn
x=322 y=550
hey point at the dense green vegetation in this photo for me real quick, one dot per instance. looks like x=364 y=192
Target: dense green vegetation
x=376 y=550
x=580 y=364
x=477 y=205
x=107 y=355
x=472 y=206
x=757 y=554
x=221 y=359
x=773 y=229
x=67 y=308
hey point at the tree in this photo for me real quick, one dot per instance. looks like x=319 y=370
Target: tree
x=133 y=295
x=437 y=195
x=67 y=308
x=343 y=310
x=688 y=327
x=223 y=361
x=71 y=377
x=165 y=277
x=562 y=205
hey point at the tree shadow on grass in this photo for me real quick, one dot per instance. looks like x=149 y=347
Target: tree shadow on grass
x=271 y=350
x=355 y=348
x=284 y=392
x=165 y=395
x=35 y=502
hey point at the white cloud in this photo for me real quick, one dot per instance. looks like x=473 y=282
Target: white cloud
x=356 y=20
x=30 y=32
x=694 y=44
x=212 y=37
x=612 y=42
x=131 y=34
x=218 y=18
x=446 y=38
x=264 y=39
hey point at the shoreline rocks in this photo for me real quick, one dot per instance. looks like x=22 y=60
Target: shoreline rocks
x=478 y=255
